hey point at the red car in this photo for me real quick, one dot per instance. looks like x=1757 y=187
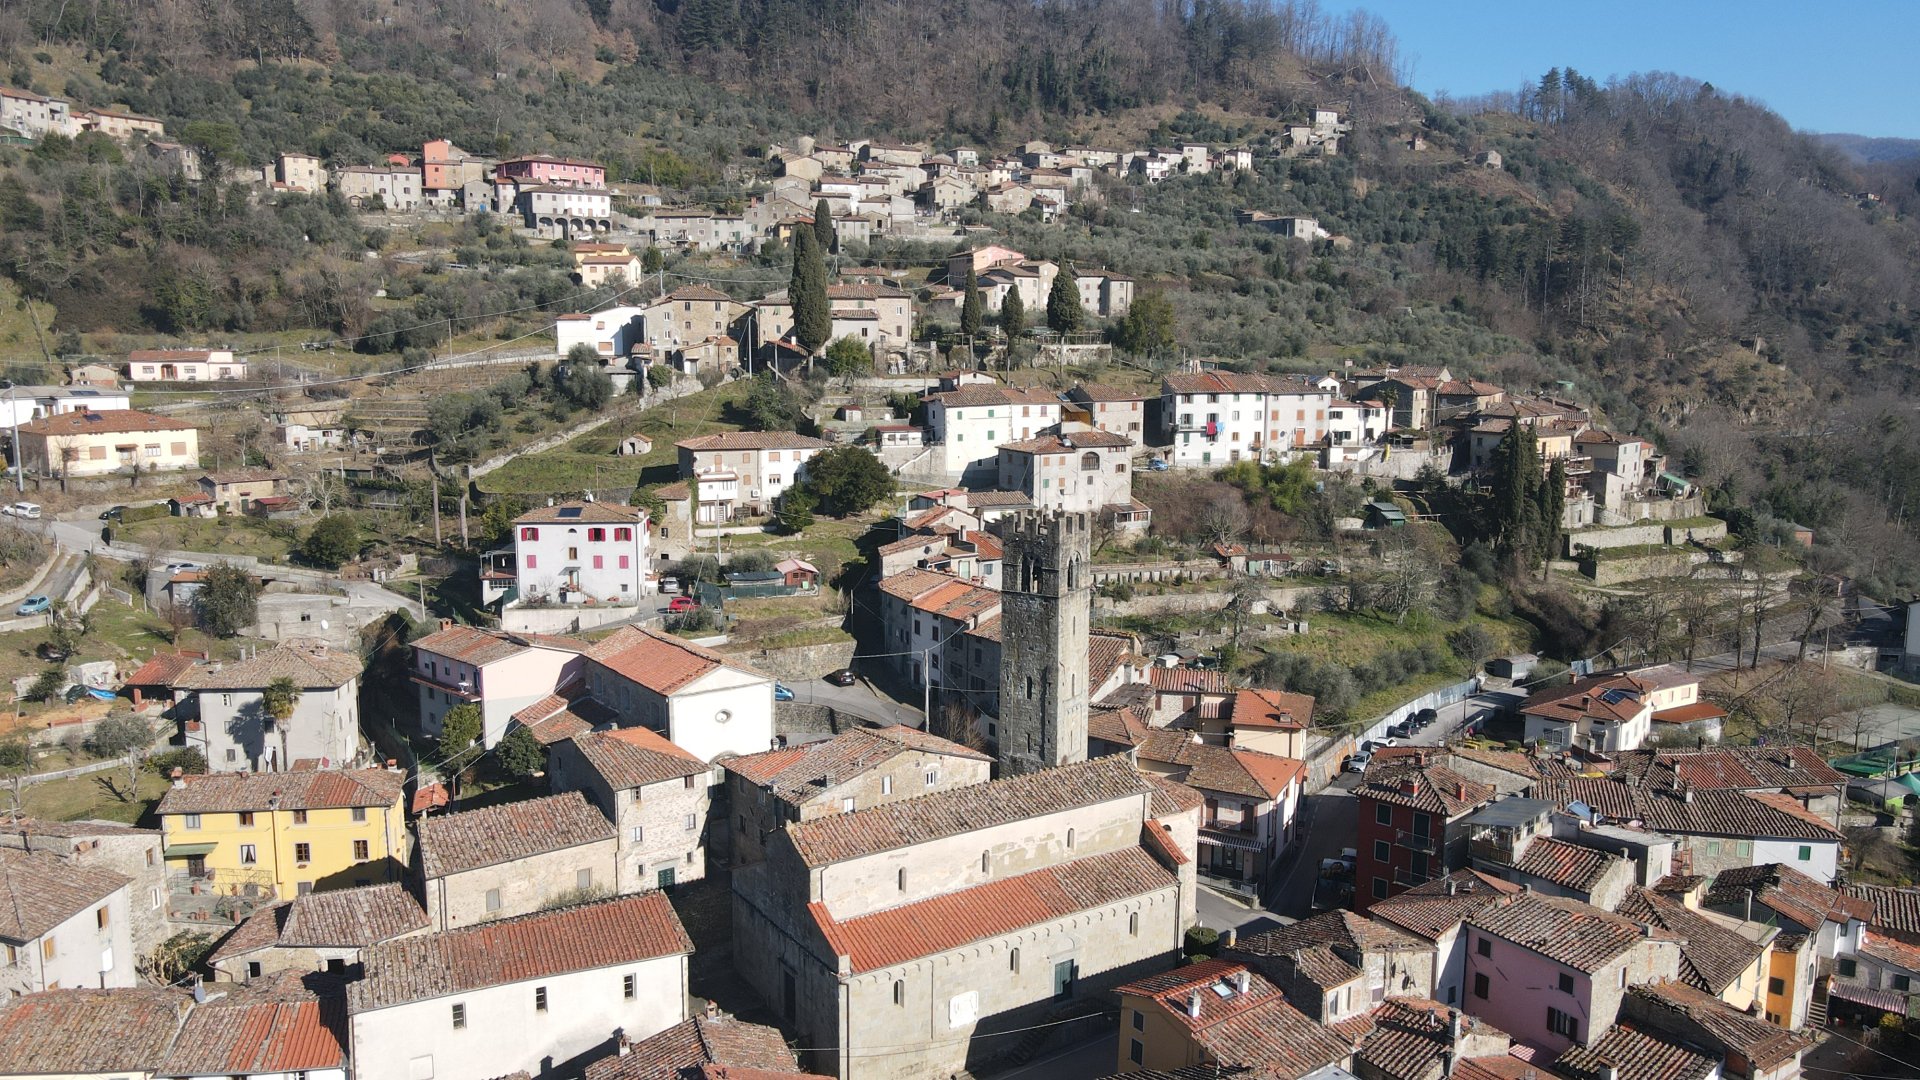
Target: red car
x=683 y=603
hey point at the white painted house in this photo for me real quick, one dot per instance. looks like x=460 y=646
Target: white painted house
x=184 y=365
x=701 y=701
x=500 y=672
x=581 y=553
x=533 y=994
x=967 y=424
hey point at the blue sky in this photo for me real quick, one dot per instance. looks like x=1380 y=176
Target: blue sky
x=1825 y=67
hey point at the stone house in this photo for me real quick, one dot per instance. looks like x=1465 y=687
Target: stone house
x=237 y=734
x=1269 y=721
x=1512 y=839
x=1436 y=912
x=57 y=1033
x=449 y=1004
x=857 y=769
x=690 y=313
x=656 y=795
x=500 y=672
x=1071 y=467
x=121 y=441
x=1749 y=1046
x=323 y=931
x=1337 y=965
x=300 y=172
x=932 y=922
x=1104 y=293
x=1251 y=801
x=1554 y=972
x=1723 y=957
x=764 y=464
x=1111 y=409
x=714 y=1045
x=703 y=702
x=104 y=845
x=1221 y=1016
x=394 y=187
x=64 y=925
x=506 y=860
x=236 y=491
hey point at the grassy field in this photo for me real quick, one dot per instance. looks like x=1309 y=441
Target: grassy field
x=96 y=795
x=229 y=534
x=590 y=462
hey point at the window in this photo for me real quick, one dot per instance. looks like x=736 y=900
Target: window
x=459 y=1016
x=1135 y=1052
x=48 y=950
x=246 y=819
x=1776 y=986
x=1902 y=983
x=253 y=969
x=583 y=879
x=493 y=899
x=1382 y=851
x=1566 y=983
x=359 y=813
x=101 y=918
x=627 y=987
x=623 y=534
x=692 y=823
x=596 y=535
x=886 y=785
x=1847 y=967
x=529 y=534
x=900 y=878
x=1379 y=888
x=1383 y=814
x=1069 y=839
x=532 y=561
x=899 y=992
x=1483 y=946
x=248 y=856
x=1562 y=1023
x=299 y=817
x=303 y=853
x=1133 y=924
x=193 y=820
x=846 y=805
x=1480 y=985
x=1806 y=852
x=1139 y=1020
x=539 y=999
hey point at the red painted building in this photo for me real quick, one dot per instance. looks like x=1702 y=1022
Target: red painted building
x=1405 y=805
x=555 y=170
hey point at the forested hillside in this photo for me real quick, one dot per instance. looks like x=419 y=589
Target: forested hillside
x=1739 y=292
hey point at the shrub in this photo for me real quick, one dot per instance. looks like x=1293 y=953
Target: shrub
x=1202 y=941
x=50 y=683
x=187 y=759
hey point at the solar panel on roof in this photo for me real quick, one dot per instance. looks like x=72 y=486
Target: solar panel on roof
x=1616 y=695
x=568 y=512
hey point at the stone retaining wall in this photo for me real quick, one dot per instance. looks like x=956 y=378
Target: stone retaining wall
x=801 y=663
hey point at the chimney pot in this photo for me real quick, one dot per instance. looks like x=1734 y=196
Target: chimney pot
x=1193 y=1004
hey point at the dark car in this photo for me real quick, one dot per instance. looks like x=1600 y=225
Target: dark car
x=1426 y=716
x=112 y=514
x=843 y=677
x=1400 y=730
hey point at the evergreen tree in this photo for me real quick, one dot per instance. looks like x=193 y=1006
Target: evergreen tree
x=823 y=230
x=1013 y=315
x=972 y=307
x=807 y=291
x=1516 y=484
x=1553 y=508
x=1064 y=313
x=1148 y=326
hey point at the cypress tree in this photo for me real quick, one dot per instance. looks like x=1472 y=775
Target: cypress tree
x=807 y=291
x=973 y=308
x=823 y=230
x=1063 y=303
x=1013 y=315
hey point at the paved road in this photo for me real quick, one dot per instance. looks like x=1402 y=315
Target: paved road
x=862 y=699
x=1087 y=1059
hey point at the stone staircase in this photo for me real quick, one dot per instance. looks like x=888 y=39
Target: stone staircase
x=1817 y=1004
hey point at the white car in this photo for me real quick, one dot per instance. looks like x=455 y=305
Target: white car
x=27 y=510
x=1358 y=762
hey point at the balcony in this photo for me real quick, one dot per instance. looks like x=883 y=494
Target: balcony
x=217 y=897
x=461 y=689
x=1414 y=842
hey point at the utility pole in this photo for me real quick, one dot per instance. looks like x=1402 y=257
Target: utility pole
x=464 y=542
x=436 y=512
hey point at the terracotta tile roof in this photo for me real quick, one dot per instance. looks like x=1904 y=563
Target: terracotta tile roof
x=678 y=1052
x=1121 y=726
x=660 y=662
x=1748 y=768
x=1712 y=957
x=350 y=917
x=1896 y=910
x=243 y=476
x=1411 y=1038
x=565 y=713
x=63 y=1031
x=579 y=938
x=949 y=921
x=960 y=810
x=164 y=669
x=1578 y=935
x=1067 y=443
x=753 y=440
x=1503 y=1067
x=1340 y=929
x=275 y=1029
x=1892 y=952
x=696 y=292
x=959 y=601
x=1270 y=710
x=800 y=773
x=991 y=395
x=1699 y=1016
x=1567 y=865
x=470 y=645
x=1172 y=797
x=1248 y=773
x=1101 y=392
x=1433 y=908
x=634 y=757
x=470 y=839
x=1711 y=813
x=1634 y=1054
x=1188 y=681
x=1687 y=714
x=107 y=422
x=74 y=829
x=1511 y=761
x=1106 y=651
x=1789 y=893
x=1601 y=698
x=985 y=500
x=260 y=930
x=312 y=665
x=1258 y=1029
x=38 y=892
x=1234 y=382
x=1414 y=781
x=320 y=789
x=582 y=513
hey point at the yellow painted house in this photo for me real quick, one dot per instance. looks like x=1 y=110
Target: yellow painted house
x=290 y=832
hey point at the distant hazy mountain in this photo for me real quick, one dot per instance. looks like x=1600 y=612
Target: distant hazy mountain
x=1869 y=150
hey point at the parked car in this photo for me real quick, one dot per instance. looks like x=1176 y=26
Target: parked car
x=1157 y=465
x=1358 y=762
x=683 y=603
x=843 y=677
x=34 y=605
x=669 y=585
x=1375 y=744
x=1426 y=716
x=1401 y=730
x=112 y=513
x=781 y=693
x=28 y=510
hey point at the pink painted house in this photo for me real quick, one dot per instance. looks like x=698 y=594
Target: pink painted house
x=555 y=170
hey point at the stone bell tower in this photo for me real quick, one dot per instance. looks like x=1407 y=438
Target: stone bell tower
x=1046 y=604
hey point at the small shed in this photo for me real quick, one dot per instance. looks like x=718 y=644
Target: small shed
x=853 y=414
x=199 y=504
x=635 y=444
x=1381 y=514
x=1801 y=533
x=1516 y=667
x=798 y=573
x=1489 y=159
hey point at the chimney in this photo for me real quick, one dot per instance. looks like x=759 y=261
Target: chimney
x=446 y=624
x=1240 y=980
x=713 y=1008
x=1193 y=1004
x=1453 y=1028
x=1460 y=791
x=1229 y=937
x=178 y=775
x=1606 y=1072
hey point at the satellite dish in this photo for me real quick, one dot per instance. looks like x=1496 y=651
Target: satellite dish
x=323 y=624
